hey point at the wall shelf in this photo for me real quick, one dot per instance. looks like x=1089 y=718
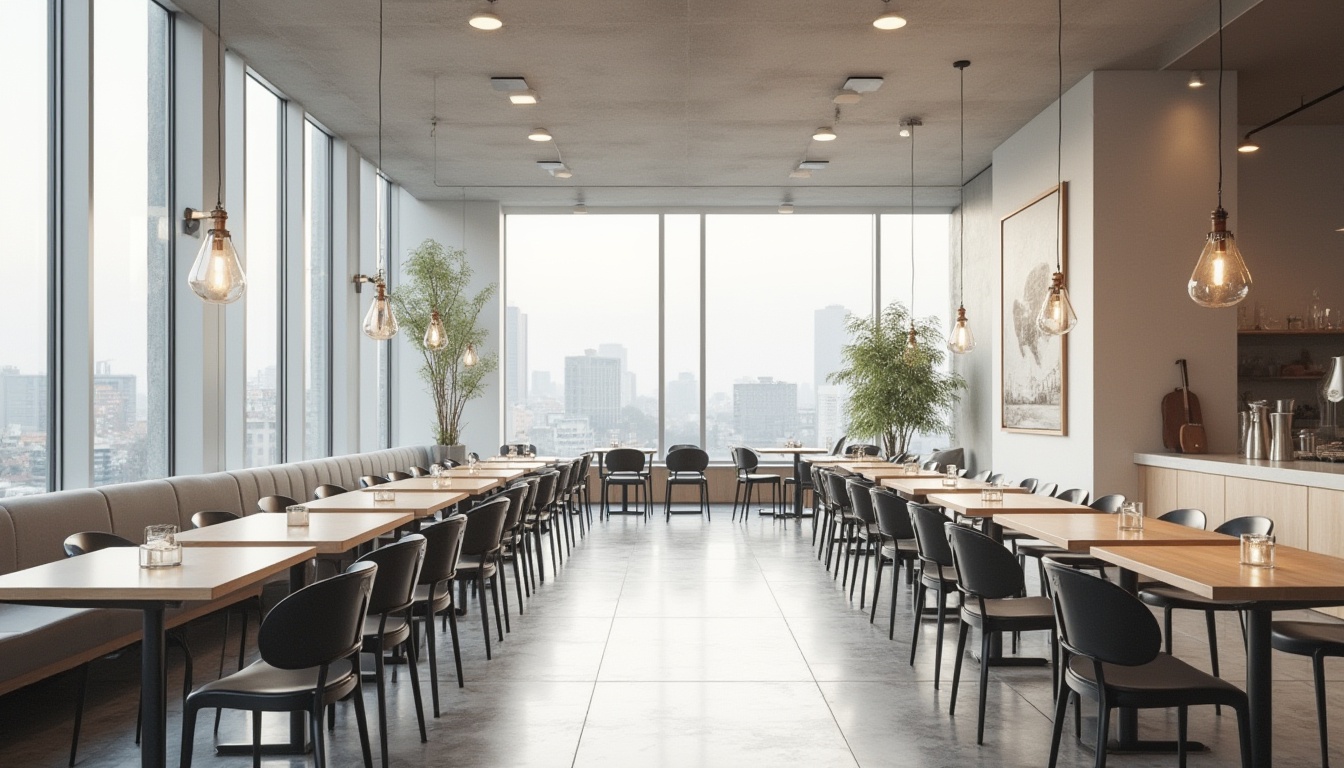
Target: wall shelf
x=1283 y=332
x=1317 y=377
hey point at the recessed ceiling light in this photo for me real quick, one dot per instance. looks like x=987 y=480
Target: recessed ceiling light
x=562 y=173
x=889 y=20
x=813 y=165
x=847 y=97
x=904 y=133
x=509 y=83
x=1196 y=80
x=486 y=19
x=580 y=209
x=823 y=134
x=539 y=134
x=786 y=208
x=863 y=83
x=550 y=165
x=800 y=173
x=524 y=98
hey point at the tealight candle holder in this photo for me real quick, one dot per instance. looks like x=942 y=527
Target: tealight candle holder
x=991 y=494
x=160 y=549
x=382 y=497
x=1257 y=550
x=296 y=516
x=950 y=478
x=911 y=467
x=1131 y=516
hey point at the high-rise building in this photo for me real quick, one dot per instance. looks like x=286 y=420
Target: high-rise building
x=593 y=390
x=683 y=397
x=515 y=356
x=24 y=400
x=828 y=339
x=831 y=422
x=765 y=411
x=542 y=386
x=619 y=352
x=113 y=398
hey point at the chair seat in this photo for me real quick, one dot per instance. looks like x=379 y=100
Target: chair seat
x=1039 y=549
x=1024 y=610
x=1305 y=638
x=758 y=478
x=948 y=574
x=469 y=565
x=686 y=477
x=1166 y=681
x=903 y=546
x=424 y=605
x=395 y=631
x=1075 y=559
x=624 y=478
x=1171 y=597
x=262 y=679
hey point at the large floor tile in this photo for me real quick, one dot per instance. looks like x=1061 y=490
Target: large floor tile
x=713 y=649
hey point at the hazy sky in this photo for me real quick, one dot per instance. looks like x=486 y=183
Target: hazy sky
x=588 y=280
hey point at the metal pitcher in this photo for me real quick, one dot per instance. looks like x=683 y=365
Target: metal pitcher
x=1281 y=437
x=1256 y=444
x=1331 y=394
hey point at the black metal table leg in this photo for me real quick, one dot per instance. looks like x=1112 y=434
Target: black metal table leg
x=1259 y=685
x=153 y=690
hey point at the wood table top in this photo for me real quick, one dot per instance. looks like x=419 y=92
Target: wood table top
x=883 y=471
x=832 y=460
x=503 y=473
x=609 y=449
x=419 y=503
x=1079 y=532
x=528 y=464
x=922 y=485
x=114 y=574
x=330 y=533
x=1217 y=573
x=791 y=451
x=968 y=503
x=469 y=485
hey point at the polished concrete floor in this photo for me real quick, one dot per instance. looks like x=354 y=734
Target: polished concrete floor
x=690 y=643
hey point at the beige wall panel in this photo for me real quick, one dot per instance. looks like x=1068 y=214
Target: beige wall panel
x=1285 y=504
x=1158 y=488
x=1325 y=514
x=1205 y=492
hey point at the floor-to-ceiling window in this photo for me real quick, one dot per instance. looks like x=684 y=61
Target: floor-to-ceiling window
x=384 y=233
x=317 y=233
x=582 y=331
x=131 y=228
x=25 y=201
x=681 y=330
x=264 y=154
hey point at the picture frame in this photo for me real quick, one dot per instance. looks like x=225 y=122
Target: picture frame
x=1033 y=365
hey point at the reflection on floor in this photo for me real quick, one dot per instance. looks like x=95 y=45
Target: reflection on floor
x=690 y=644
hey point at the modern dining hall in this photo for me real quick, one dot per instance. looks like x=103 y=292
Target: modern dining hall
x=871 y=383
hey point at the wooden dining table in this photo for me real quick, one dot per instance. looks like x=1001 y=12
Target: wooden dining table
x=797 y=454
x=1300 y=579
x=505 y=473
x=113 y=578
x=472 y=486
x=418 y=504
x=919 y=486
x=969 y=504
x=882 y=471
x=1080 y=531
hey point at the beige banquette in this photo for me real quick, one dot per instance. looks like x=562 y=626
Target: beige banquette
x=36 y=642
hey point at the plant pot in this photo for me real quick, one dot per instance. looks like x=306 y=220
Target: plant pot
x=457 y=453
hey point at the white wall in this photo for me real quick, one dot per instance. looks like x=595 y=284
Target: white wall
x=413 y=410
x=974 y=427
x=1291 y=202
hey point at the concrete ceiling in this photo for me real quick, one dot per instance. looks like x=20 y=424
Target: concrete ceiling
x=701 y=102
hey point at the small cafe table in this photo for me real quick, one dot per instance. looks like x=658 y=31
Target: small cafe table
x=1080 y=531
x=797 y=454
x=1301 y=579
x=471 y=485
x=418 y=504
x=113 y=578
x=915 y=486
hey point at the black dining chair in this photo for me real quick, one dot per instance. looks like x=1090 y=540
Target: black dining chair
x=418 y=471
x=802 y=474
x=1074 y=496
x=992 y=588
x=274 y=504
x=1046 y=489
x=862 y=449
x=369 y=481
x=864 y=534
x=302 y=642
x=839 y=522
x=1316 y=640
x=396 y=475
x=434 y=594
x=983 y=475
x=839 y=446
x=513 y=541
x=479 y=561
x=1190 y=518
x=686 y=466
x=625 y=470
x=896 y=542
x=387 y=625
x=747 y=462
x=937 y=573
x=518 y=494
x=539 y=520
x=327 y=490
x=1110 y=653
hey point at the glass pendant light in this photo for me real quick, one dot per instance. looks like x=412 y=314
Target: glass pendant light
x=217 y=275
x=912 y=339
x=469 y=357
x=380 y=323
x=436 y=336
x=889 y=19
x=1221 y=278
x=1056 y=316
x=961 y=340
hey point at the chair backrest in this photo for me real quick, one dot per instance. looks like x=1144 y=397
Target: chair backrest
x=562 y=481
x=485 y=526
x=579 y=480
x=819 y=481
x=84 y=542
x=893 y=515
x=275 y=503
x=805 y=473
x=930 y=464
x=545 y=491
x=862 y=449
x=930 y=536
x=1046 y=489
x=517 y=494
x=418 y=471
x=745 y=459
x=1030 y=484
x=398 y=573
x=1191 y=518
x=985 y=568
x=837 y=493
x=451 y=463
x=1073 y=496
x=839 y=445
x=997 y=478
x=396 y=475
x=982 y=475
x=443 y=544
x=1109 y=503
x=625 y=460
x=368 y=481
x=860 y=500
x=327 y=490
x=1247 y=524
x=1100 y=620
x=687 y=460
x=679 y=446
x=319 y=624
x=209 y=517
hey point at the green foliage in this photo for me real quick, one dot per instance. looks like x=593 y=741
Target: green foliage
x=435 y=277
x=894 y=392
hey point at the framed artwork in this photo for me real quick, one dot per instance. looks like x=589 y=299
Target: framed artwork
x=1034 y=364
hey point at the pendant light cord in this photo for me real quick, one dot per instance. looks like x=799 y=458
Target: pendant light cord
x=219 y=104
x=382 y=201
x=1220 y=104
x=912 y=223
x=1059 y=141
x=961 y=190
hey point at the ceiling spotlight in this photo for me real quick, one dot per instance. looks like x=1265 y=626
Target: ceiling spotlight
x=800 y=173
x=847 y=97
x=889 y=20
x=486 y=20
x=1248 y=145
x=905 y=132
x=823 y=134
x=1196 y=80
x=562 y=173
x=524 y=98
x=539 y=134
x=814 y=165
x=580 y=209
x=786 y=208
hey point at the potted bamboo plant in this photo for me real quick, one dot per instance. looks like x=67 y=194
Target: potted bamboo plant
x=436 y=280
x=895 y=391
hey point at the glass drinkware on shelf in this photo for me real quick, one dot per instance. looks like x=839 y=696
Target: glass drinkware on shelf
x=160 y=549
x=1257 y=550
x=950 y=477
x=296 y=516
x=1131 y=516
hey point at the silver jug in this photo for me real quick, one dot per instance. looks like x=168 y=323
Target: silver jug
x=1331 y=395
x=1256 y=444
x=1281 y=437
